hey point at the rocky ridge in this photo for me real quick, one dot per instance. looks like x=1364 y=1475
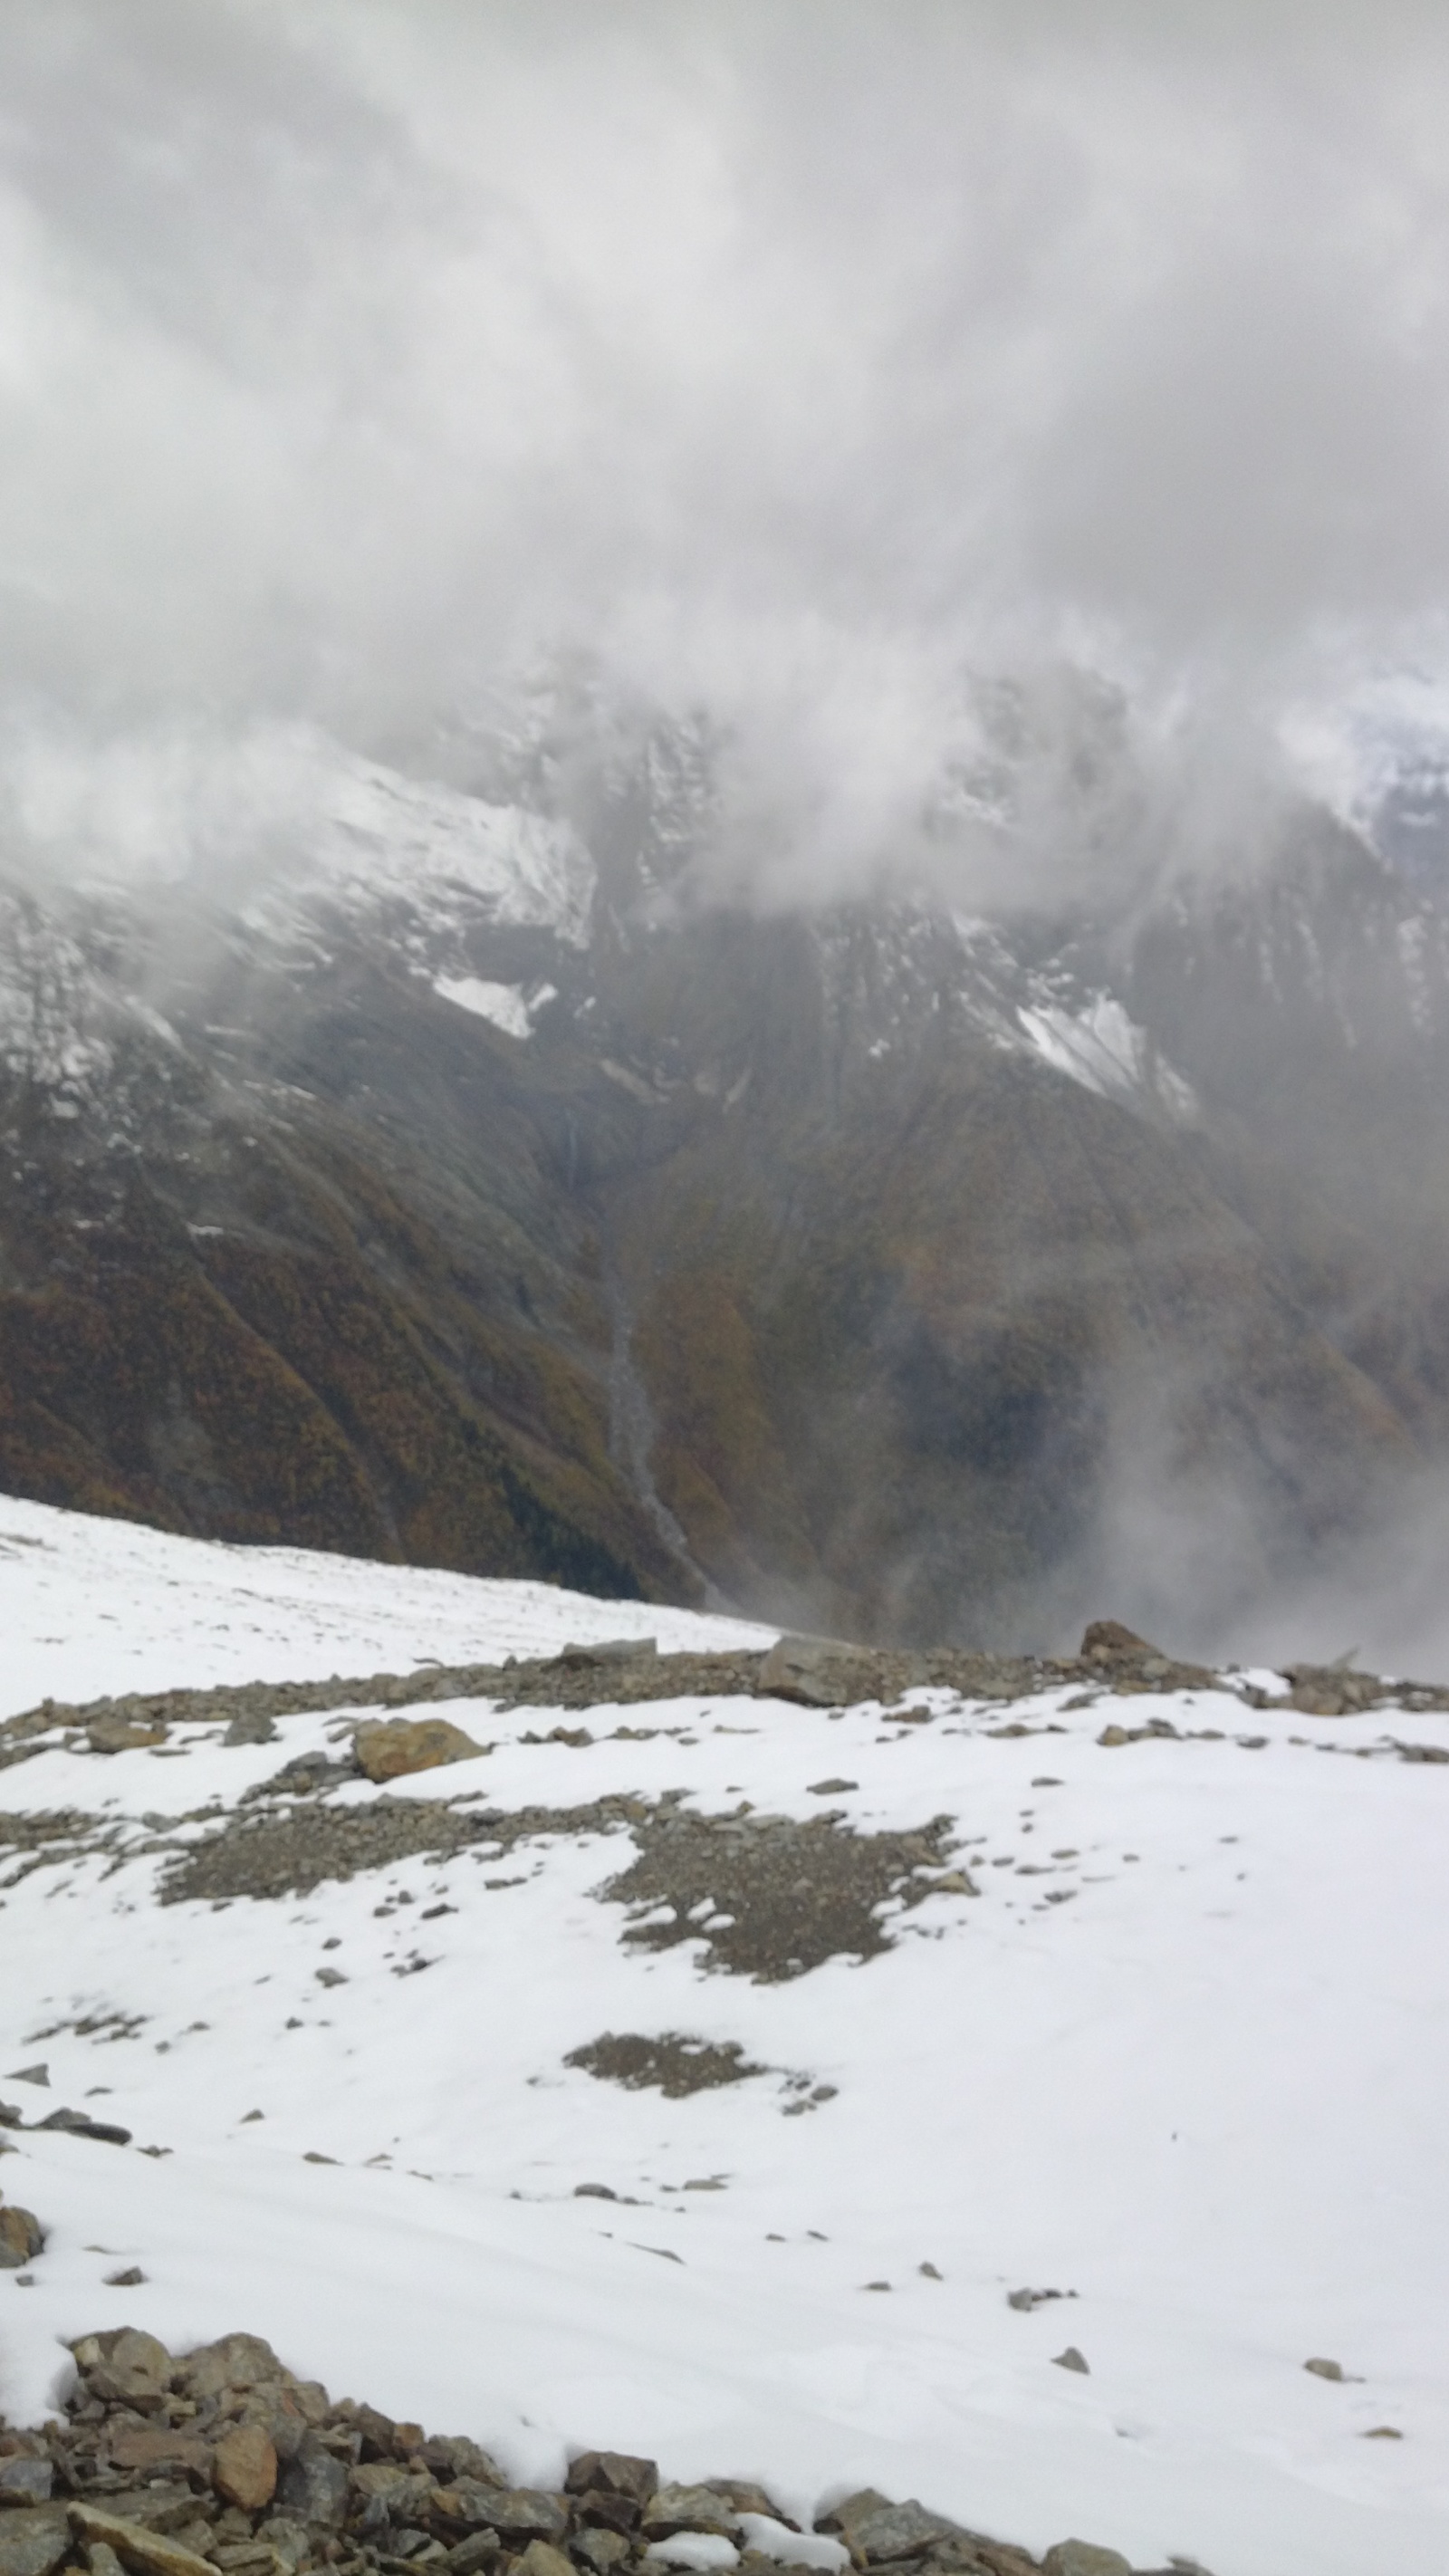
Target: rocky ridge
x=223 y=2462
x=815 y=1672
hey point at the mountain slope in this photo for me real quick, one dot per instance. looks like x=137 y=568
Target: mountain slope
x=465 y=1190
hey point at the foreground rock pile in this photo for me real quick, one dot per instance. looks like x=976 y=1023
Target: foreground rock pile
x=222 y=2463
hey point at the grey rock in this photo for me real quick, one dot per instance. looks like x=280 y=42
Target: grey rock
x=312 y=2484
x=609 y=1650
x=478 y=2551
x=600 y=2549
x=25 y=2481
x=675 y=2508
x=880 y=2532
x=29 y=2075
x=1080 y=2558
x=21 y=2238
x=33 y=2539
x=541 y=2558
x=468 y=2500
x=101 y=2559
x=815 y=1672
x=276 y=2409
x=392 y=2497
x=527 y=2513
x=1071 y=2359
x=453 y=2455
x=250 y=1726
x=617 y=2473
x=291 y=2540
x=126 y=2368
x=79 y=2124
x=233 y=2361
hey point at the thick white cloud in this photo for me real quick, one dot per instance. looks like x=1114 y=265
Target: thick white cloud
x=795 y=357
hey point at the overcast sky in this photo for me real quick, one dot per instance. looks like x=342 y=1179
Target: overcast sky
x=799 y=358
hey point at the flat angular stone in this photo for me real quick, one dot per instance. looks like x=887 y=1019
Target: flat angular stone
x=79 y=2124
x=290 y=2541
x=146 y=2553
x=146 y=2447
x=33 y=2539
x=815 y=1672
x=600 y=2549
x=244 y=2469
x=1080 y=2558
x=528 y=2513
x=451 y=2456
x=378 y=2478
x=233 y=2361
x=472 y=2555
x=312 y=2485
x=25 y=2481
x=879 y=2533
x=541 y=2558
x=274 y=2410
x=672 y=2509
x=405 y=2498
x=467 y=2502
x=132 y=2369
x=746 y=2497
x=598 y=2510
x=612 y=2473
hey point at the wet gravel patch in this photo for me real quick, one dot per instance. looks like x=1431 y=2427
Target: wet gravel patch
x=674 y=2064
x=47 y=1841
x=769 y=1898
x=289 y=1855
x=763 y=1896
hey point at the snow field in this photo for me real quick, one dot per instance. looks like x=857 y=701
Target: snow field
x=1202 y=2091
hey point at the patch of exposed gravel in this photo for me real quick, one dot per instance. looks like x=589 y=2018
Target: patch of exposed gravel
x=673 y=2064
x=765 y=1896
x=768 y=1897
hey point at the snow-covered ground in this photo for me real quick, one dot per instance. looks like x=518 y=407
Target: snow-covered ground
x=1182 y=2056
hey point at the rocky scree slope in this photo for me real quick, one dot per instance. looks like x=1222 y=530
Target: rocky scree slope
x=221 y=2462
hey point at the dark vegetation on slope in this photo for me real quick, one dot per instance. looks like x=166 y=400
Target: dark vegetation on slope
x=762 y=1265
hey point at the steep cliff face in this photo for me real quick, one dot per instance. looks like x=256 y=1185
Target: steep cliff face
x=464 y=1192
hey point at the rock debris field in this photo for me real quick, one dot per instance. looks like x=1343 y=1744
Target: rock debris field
x=222 y=2460
x=931 y=2104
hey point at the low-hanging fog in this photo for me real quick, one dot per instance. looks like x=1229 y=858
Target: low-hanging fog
x=793 y=359
x=816 y=364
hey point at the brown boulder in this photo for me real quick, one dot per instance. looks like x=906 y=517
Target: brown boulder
x=1107 y=1637
x=126 y=2368
x=391 y=1750
x=148 y=2447
x=612 y=2473
x=233 y=2361
x=815 y=1672
x=20 y=2237
x=244 y=2470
